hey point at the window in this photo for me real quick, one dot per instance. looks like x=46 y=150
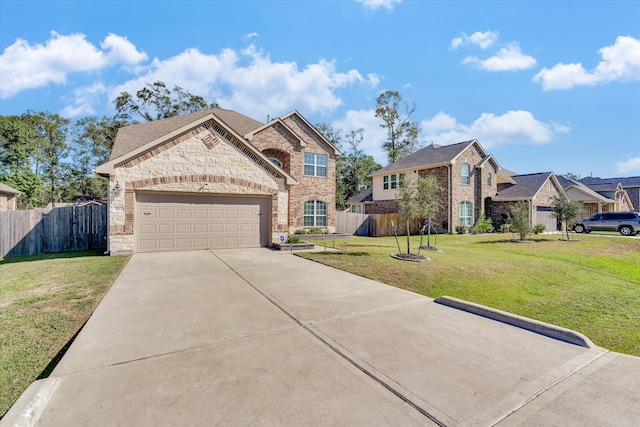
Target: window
x=315 y=213
x=465 y=213
x=464 y=171
x=275 y=161
x=356 y=208
x=391 y=181
x=489 y=179
x=315 y=164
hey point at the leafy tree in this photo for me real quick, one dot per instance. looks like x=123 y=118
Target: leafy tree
x=566 y=211
x=402 y=134
x=51 y=143
x=418 y=199
x=519 y=219
x=155 y=101
x=571 y=175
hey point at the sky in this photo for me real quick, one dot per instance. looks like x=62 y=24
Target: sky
x=542 y=85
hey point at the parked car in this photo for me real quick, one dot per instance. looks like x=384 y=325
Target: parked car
x=626 y=223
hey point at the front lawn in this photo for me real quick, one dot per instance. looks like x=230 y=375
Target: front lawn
x=44 y=300
x=591 y=286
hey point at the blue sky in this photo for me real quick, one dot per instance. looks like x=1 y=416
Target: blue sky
x=543 y=85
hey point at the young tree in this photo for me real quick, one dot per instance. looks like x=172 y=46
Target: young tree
x=402 y=134
x=519 y=219
x=418 y=199
x=566 y=211
x=155 y=101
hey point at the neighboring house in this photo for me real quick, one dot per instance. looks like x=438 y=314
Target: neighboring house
x=592 y=201
x=468 y=177
x=358 y=202
x=537 y=189
x=217 y=179
x=472 y=183
x=625 y=192
x=8 y=198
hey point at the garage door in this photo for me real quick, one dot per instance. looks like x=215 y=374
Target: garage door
x=166 y=222
x=545 y=216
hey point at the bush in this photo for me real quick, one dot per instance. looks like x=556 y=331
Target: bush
x=315 y=230
x=539 y=228
x=461 y=229
x=300 y=231
x=482 y=225
x=504 y=228
x=293 y=239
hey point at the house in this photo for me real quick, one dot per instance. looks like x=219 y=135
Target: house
x=472 y=183
x=8 y=198
x=624 y=192
x=592 y=201
x=537 y=189
x=217 y=179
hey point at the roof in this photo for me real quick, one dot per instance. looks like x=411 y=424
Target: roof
x=365 y=196
x=431 y=155
x=627 y=182
x=4 y=188
x=135 y=136
x=568 y=183
x=526 y=187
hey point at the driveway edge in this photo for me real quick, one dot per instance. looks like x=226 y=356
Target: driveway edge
x=542 y=328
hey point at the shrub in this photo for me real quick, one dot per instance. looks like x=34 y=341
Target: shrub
x=315 y=230
x=293 y=239
x=482 y=225
x=461 y=229
x=504 y=228
x=539 y=228
x=300 y=231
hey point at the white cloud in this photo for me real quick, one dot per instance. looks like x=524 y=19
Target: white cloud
x=84 y=100
x=620 y=61
x=513 y=127
x=483 y=39
x=508 y=58
x=374 y=135
x=629 y=167
x=249 y=81
x=24 y=66
x=377 y=4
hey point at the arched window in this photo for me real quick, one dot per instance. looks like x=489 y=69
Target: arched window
x=465 y=172
x=465 y=213
x=489 y=179
x=315 y=213
x=275 y=161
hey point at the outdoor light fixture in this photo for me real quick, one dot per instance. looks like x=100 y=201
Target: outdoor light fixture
x=116 y=188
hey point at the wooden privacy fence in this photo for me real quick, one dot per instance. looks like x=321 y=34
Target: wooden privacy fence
x=37 y=231
x=374 y=225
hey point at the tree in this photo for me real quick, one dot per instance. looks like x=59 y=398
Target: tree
x=51 y=143
x=91 y=143
x=402 y=134
x=566 y=211
x=353 y=167
x=418 y=199
x=155 y=101
x=519 y=219
x=571 y=175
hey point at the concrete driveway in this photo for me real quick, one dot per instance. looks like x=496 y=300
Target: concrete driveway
x=259 y=337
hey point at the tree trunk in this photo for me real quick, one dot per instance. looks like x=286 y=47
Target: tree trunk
x=408 y=239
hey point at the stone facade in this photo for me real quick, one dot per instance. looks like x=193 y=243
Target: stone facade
x=7 y=202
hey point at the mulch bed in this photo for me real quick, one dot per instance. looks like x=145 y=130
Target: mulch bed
x=410 y=257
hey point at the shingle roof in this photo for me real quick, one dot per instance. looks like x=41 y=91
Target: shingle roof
x=627 y=182
x=131 y=137
x=428 y=156
x=364 y=196
x=525 y=188
x=4 y=188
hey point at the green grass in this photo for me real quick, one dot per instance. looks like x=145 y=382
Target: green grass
x=44 y=300
x=591 y=286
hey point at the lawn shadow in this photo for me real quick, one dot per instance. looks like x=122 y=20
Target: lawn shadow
x=58 y=357
x=511 y=240
x=56 y=255
x=342 y=253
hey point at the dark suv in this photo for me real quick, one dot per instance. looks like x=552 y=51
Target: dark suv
x=626 y=223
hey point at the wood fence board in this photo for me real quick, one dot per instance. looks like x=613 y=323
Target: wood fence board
x=37 y=231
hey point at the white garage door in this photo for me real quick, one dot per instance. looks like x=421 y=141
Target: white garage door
x=545 y=216
x=166 y=222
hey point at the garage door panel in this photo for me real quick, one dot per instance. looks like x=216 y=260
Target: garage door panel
x=166 y=222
